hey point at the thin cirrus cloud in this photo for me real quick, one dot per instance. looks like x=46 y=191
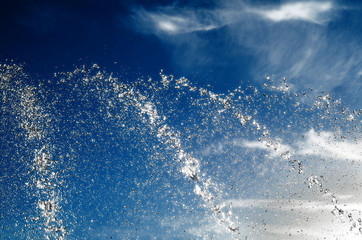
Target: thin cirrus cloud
x=283 y=214
x=323 y=145
x=325 y=153
x=171 y=20
x=315 y=12
x=293 y=39
x=282 y=219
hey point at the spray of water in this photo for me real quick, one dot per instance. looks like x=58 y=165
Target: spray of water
x=218 y=150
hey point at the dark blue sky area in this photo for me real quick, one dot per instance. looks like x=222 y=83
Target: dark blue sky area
x=65 y=33
x=54 y=36
x=221 y=43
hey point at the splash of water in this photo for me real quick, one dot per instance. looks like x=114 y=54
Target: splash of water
x=212 y=151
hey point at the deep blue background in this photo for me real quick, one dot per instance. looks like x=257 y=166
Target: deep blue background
x=54 y=36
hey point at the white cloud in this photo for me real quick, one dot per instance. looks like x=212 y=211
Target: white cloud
x=324 y=144
x=304 y=11
x=298 y=208
x=169 y=20
x=322 y=230
x=297 y=218
x=179 y=24
x=295 y=204
x=327 y=145
x=304 y=50
x=325 y=153
x=275 y=148
x=172 y=20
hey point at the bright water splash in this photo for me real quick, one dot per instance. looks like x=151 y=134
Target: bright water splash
x=35 y=121
x=190 y=165
x=228 y=146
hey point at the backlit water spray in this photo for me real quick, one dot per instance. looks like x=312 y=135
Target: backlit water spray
x=88 y=155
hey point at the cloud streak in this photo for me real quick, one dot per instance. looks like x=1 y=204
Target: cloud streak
x=298 y=217
x=324 y=144
x=314 y=12
x=293 y=39
x=281 y=219
x=169 y=20
x=172 y=20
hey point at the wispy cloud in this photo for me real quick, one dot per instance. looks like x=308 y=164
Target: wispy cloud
x=327 y=145
x=295 y=209
x=323 y=144
x=173 y=20
x=321 y=153
x=305 y=11
x=273 y=219
x=276 y=149
x=292 y=39
x=296 y=204
x=297 y=217
x=169 y=20
x=313 y=153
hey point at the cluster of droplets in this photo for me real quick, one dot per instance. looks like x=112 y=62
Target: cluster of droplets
x=47 y=184
x=190 y=166
x=240 y=104
x=338 y=211
x=34 y=120
x=324 y=102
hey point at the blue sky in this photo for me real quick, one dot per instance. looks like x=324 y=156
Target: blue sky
x=313 y=44
x=260 y=139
